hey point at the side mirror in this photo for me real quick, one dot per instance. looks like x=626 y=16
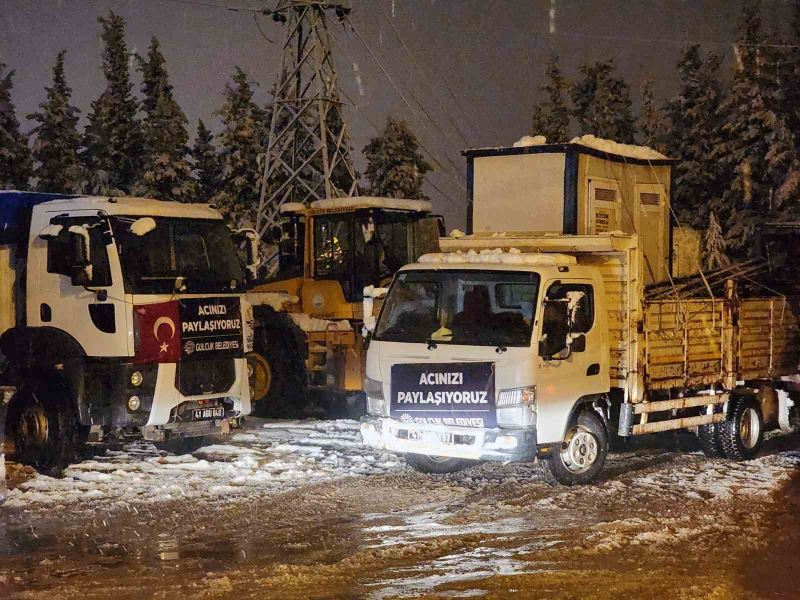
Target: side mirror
x=371 y=293
x=578 y=343
x=555 y=328
x=81 y=267
x=249 y=238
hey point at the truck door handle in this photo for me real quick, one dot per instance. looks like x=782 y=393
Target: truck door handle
x=45 y=313
x=593 y=369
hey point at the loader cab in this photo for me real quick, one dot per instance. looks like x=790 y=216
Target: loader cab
x=341 y=246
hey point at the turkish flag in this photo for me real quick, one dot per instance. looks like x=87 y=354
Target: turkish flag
x=159 y=331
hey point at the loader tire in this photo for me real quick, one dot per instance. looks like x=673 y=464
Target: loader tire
x=438 y=465
x=581 y=456
x=43 y=425
x=285 y=396
x=708 y=436
x=742 y=433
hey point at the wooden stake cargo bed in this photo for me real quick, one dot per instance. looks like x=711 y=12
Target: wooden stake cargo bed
x=681 y=343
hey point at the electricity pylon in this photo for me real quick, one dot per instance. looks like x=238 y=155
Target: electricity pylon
x=308 y=148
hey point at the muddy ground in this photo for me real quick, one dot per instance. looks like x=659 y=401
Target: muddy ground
x=663 y=521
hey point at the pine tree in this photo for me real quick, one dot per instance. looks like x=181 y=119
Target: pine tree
x=15 y=156
x=206 y=164
x=651 y=121
x=551 y=116
x=241 y=146
x=56 y=138
x=166 y=173
x=714 y=245
x=113 y=139
x=395 y=165
x=602 y=103
x=694 y=133
x=758 y=154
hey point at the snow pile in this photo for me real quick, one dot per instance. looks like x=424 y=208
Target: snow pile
x=370 y=294
x=528 y=140
x=270 y=457
x=278 y=301
x=374 y=202
x=308 y=323
x=457 y=233
x=497 y=256
x=290 y=207
x=640 y=152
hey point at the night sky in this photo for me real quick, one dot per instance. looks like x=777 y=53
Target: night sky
x=490 y=53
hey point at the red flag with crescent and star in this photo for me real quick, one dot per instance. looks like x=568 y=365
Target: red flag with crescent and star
x=159 y=332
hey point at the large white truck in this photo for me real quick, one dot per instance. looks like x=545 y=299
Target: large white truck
x=118 y=316
x=522 y=346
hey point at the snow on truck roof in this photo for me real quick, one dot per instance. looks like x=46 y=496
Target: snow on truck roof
x=129 y=205
x=497 y=256
x=591 y=143
x=356 y=202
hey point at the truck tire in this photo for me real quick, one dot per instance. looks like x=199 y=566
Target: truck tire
x=437 y=464
x=582 y=454
x=183 y=445
x=43 y=425
x=285 y=395
x=708 y=436
x=742 y=433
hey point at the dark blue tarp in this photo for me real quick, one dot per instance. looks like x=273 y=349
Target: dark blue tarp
x=15 y=212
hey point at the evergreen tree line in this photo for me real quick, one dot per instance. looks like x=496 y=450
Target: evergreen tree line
x=138 y=144
x=736 y=138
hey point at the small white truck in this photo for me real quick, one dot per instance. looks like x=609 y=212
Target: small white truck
x=515 y=346
x=118 y=316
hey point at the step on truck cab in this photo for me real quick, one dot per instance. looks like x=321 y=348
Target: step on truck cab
x=118 y=316
x=520 y=346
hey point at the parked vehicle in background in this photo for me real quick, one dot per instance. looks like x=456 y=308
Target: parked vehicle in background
x=118 y=317
x=308 y=316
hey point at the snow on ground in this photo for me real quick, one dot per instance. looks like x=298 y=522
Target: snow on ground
x=270 y=457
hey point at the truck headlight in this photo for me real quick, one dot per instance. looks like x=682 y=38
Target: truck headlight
x=517 y=396
x=376 y=403
x=136 y=378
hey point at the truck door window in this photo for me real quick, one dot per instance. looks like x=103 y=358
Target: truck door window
x=61 y=251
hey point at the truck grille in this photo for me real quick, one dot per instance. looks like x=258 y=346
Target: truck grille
x=198 y=377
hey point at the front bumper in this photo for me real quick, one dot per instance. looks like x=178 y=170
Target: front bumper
x=495 y=444
x=188 y=429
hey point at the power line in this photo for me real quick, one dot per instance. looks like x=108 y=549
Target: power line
x=431 y=155
x=420 y=71
x=377 y=131
x=402 y=96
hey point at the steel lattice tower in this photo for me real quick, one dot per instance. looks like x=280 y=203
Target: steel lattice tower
x=308 y=148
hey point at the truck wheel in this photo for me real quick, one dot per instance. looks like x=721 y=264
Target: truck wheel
x=741 y=435
x=437 y=464
x=582 y=454
x=708 y=435
x=184 y=445
x=43 y=424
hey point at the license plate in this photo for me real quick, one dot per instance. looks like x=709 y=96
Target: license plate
x=201 y=414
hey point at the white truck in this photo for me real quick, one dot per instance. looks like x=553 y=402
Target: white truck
x=515 y=346
x=118 y=316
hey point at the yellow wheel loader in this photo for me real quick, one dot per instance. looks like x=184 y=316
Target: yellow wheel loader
x=308 y=348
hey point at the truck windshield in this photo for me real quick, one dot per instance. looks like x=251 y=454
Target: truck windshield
x=477 y=308
x=200 y=251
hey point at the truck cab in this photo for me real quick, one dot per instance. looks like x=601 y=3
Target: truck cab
x=483 y=356
x=121 y=316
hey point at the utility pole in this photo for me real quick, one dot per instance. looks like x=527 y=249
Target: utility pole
x=308 y=148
